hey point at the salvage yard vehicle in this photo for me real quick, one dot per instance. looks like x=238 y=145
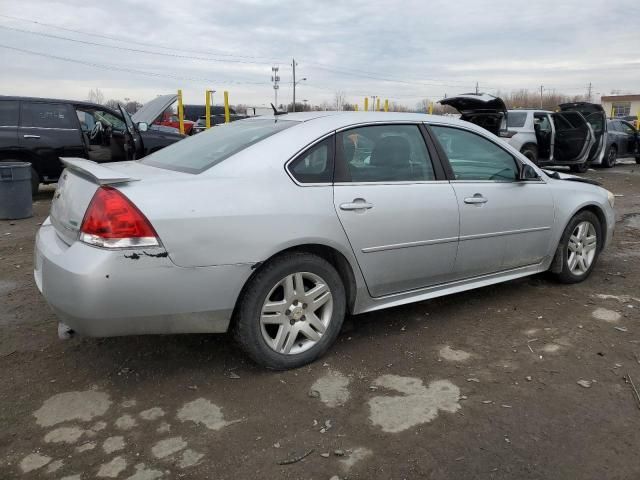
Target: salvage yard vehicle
x=622 y=141
x=275 y=227
x=575 y=136
x=40 y=130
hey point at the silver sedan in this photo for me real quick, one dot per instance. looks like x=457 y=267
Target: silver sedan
x=276 y=227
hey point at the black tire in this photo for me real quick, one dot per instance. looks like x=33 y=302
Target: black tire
x=566 y=275
x=247 y=329
x=35 y=182
x=531 y=152
x=610 y=157
x=581 y=168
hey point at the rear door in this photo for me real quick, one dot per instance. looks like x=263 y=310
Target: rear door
x=50 y=131
x=629 y=138
x=504 y=223
x=399 y=213
x=596 y=117
x=573 y=138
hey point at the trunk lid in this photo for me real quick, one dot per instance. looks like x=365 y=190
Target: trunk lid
x=484 y=110
x=79 y=182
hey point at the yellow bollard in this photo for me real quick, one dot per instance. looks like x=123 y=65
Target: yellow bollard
x=226 y=107
x=356 y=107
x=180 y=112
x=430 y=108
x=386 y=104
x=207 y=108
x=366 y=104
x=378 y=104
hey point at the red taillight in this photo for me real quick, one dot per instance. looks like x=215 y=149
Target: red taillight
x=113 y=221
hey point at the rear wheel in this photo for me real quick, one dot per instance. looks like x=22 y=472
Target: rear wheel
x=579 y=247
x=531 y=152
x=611 y=157
x=291 y=311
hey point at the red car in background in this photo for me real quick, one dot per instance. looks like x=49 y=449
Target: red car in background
x=169 y=119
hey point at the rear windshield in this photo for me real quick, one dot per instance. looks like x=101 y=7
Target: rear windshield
x=206 y=149
x=516 y=119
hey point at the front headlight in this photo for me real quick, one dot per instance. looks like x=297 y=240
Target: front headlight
x=611 y=197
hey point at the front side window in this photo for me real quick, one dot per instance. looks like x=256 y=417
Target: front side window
x=8 y=113
x=384 y=153
x=627 y=128
x=200 y=152
x=473 y=157
x=315 y=165
x=48 y=115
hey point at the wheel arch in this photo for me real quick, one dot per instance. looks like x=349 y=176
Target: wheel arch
x=329 y=253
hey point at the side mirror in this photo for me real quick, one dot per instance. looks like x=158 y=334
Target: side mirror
x=527 y=172
x=143 y=126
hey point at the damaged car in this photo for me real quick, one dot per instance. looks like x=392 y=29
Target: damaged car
x=41 y=130
x=276 y=227
x=574 y=136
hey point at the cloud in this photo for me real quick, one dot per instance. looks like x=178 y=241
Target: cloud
x=403 y=51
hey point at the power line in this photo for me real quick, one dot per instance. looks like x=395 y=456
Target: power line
x=127 y=69
x=128 y=41
x=128 y=49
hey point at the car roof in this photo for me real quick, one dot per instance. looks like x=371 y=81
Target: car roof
x=345 y=119
x=540 y=110
x=54 y=100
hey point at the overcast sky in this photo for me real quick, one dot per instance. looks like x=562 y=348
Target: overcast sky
x=403 y=50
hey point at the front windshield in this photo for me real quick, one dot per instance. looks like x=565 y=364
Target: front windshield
x=200 y=152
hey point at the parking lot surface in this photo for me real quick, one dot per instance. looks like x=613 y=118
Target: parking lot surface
x=526 y=379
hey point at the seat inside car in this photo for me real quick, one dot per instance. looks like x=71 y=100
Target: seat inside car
x=392 y=155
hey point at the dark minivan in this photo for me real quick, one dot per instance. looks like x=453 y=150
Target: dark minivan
x=41 y=130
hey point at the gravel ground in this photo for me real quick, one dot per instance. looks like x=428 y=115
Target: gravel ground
x=520 y=380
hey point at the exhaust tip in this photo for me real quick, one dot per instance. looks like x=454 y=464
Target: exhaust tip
x=65 y=332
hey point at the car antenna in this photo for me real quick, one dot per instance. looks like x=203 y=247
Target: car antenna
x=276 y=112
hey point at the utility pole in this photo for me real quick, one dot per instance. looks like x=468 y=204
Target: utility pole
x=477 y=90
x=589 y=92
x=275 y=79
x=541 y=89
x=293 y=64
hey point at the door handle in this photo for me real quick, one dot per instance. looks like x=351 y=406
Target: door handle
x=475 y=200
x=31 y=136
x=357 y=204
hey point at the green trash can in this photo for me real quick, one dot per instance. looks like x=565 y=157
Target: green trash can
x=15 y=190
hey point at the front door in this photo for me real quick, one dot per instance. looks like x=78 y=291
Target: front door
x=401 y=220
x=504 y=223
x=50 y=131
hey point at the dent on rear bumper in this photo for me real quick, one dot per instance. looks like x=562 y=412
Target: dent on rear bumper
x=101 y=293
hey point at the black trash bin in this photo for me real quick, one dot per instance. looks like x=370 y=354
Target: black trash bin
x=15 y=190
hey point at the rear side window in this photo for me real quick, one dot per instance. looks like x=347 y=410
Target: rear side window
x=200 y=152
x=516 y=119
x=48 y=115
x=315 y=165
x=473 y=157
x=384 y=153
x=8 y=114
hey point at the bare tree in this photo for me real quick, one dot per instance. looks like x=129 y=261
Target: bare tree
x=339 y=100
x=112 y=104
x=96 y=96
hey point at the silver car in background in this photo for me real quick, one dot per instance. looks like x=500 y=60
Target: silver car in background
x=276 y=227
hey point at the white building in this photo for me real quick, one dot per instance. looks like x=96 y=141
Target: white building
x=621 y=105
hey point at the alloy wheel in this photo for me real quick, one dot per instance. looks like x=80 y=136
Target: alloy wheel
x=296 y=313
x=582 y=248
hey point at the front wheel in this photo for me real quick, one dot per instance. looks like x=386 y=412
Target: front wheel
x=579 y=247
x=531 y=153
x=291 y=311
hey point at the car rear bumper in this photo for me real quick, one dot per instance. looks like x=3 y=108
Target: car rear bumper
x=103 y=293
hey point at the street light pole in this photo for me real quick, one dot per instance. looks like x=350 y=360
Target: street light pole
x=293 y=64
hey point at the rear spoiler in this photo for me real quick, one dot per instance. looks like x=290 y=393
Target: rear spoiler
x=101 y=174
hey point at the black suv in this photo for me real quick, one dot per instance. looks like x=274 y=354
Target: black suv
x=41 y=130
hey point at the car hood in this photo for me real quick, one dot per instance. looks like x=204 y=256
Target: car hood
x=151 y=110
x=475 y=103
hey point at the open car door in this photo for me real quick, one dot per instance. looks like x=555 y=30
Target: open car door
x=132 y=142
x=484 y=110
x=573 y=139
x=596 y=117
